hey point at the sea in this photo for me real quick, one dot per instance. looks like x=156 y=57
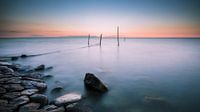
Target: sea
x=142 y=75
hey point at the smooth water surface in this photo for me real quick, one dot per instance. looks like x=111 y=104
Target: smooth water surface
x=143 y=75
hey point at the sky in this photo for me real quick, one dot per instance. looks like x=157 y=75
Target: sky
x=136 y=18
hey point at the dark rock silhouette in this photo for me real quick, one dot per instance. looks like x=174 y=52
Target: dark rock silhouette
x=93 y=83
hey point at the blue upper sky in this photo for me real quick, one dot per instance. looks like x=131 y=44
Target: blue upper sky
x=76 y=17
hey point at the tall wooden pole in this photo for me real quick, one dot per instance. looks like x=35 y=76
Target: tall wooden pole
x=88 y=40
x=100 y=39
x=117 y=35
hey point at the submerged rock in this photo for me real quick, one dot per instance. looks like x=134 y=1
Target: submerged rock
x=39 y=98
x=92 y=82
x=40 y=67
x=57 y=89
x=77 y=108
x=67 y=98
x=23 y=56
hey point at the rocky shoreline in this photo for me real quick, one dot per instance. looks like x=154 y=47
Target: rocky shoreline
x=22 y=88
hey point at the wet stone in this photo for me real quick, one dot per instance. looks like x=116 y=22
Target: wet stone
x=2 y=90
x=29 y=92
x=31 y=79
x=78 y=108
x=39 y=98
x=5 y=64
x=67 y=98
x=35 y=75
x=60 y=109
x=49 y=107
x=40 y=67
x=4 y=80
x=11 y=95
x=15 y=80
x=40 y=85
x=29 y=107
x=6 y=70
x=20 y=101
x=14 y=87
x=3 y=102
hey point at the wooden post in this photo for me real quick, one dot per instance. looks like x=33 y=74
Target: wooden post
x=100 y=39
x=117 y=35
x=88 y=40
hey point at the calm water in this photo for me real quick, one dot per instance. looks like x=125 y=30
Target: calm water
x=143 y=75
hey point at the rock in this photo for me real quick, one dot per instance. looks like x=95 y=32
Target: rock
x=39 y=85
x=40 y=67
x=2 y=90
x=60 y=109
x=20 y=101
x=11 y=95
x=30 y=107
x=5 y=64
x=92 y=82
x=39 y=98
x=49 y=107
x=29 y=92
x=77 y=108
x=4 y=80
x=14 y=80
x=57 y=89
x=49 y=68
x=34 y=85
x=13 y=87
x=32 y=79
x=5 y=70
x=14 y=58
x=67 y=98
x=3 y=102
x=35 y=75
x=23 y=56
x=47 y=77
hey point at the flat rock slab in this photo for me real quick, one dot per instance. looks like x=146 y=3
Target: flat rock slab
x=67 y=98
x=29 y=107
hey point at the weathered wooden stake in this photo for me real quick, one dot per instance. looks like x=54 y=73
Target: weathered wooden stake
x=100 y=39
x=88 y=40
x=117 y=35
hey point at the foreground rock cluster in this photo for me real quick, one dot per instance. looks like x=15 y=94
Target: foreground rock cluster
x=21 y=90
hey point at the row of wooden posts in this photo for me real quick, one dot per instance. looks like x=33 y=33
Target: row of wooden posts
x=101 y=36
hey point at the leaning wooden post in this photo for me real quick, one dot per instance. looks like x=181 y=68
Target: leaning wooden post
x=88 y=40
x=100 y=39
x=117 y=35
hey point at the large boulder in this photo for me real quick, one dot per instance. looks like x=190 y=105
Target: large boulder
x=67 y=98
x=93 y=83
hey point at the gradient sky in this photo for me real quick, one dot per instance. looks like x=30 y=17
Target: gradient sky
x=136 y=18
